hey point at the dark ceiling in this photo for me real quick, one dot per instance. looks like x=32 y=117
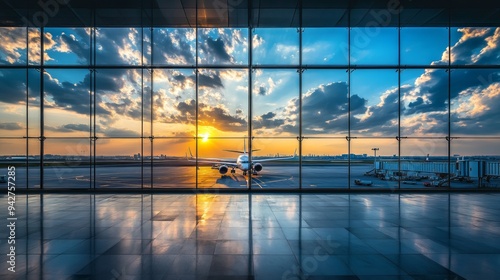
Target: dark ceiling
x=245 y=13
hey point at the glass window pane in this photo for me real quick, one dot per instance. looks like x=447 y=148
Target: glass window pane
x=12 y=102
x=475 y=99
x=475 y=45
x=174 y=103
x=223 y=103
x=146 y=158
x=13 y=47
x=275 y=173
x=118 y=163
x=325 y=109
x=424 y=102
x=35 y=46
x=67 y=46
x=119 y=46
x=174 y=46
x=223 y=46
x=171 y=168
x=323 y=165
x=416 y=49
x=476 y=163
x=34 y=93
x=424 y=163
x=67 y=103
x=275 y=103
x=67 y=163
x=119 y=101
x=13 y=154
x=215 y=163
x=33 y=164
x=275 y=46
x=374 y=103
x=146 y=46
x=374 y=46
x=367 y=156
x=325 y=46
x=147 y=103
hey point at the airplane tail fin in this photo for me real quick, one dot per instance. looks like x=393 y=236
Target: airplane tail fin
x=244 y=149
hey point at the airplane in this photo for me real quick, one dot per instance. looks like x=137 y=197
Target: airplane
x=241 y=162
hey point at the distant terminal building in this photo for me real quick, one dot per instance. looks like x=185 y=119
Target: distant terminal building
x=467 y=170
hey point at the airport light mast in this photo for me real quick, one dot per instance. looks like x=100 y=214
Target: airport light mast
x=375 y=158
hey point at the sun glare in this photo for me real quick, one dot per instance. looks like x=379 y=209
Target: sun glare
x=205 y=137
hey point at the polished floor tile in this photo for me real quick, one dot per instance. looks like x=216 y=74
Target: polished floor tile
x=255 y=236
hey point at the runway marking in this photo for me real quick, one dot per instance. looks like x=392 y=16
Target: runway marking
x=260 y=186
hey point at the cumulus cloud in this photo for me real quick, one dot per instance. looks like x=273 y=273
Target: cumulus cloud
x=13 y=45
x=267 y=87
x=173 y=46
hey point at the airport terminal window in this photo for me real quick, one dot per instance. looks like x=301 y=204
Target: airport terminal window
x=212 y=175
x=173 y=167
x=118 y=103
x=13 y=105
x=146 y=160
x=474 y=46
x=325 y=46
x=67 y=103
x=276 y=174
x=33 y=163
x=424 y=102
x=275 y=46
x=118 y=46
x=374 y=103
x=223 y=46
x=275 y=103
x=33 y=109
x=473 y=106
x=323 y=163
x=223 y=102
x=374 y=46
x=153 y=100
x=364 y=162
x=424 y=163
x=325 y=103
x=473 y=163
x=117 y=163
x=57 y=46
x=147 y=103
x=67 y=163
x=174 y=46
x=34 y=46
x=13 y=48
x=174 y=103
x=416 y=48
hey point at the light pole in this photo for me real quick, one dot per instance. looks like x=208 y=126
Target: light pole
x=375 y=158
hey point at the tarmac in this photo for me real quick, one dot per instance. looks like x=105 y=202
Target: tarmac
x=274 y=176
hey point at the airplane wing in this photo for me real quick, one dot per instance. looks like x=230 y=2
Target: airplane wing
x=240 y=152
x=215 y=161
x=220 y=161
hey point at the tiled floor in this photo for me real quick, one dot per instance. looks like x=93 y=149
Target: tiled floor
x=254 y=236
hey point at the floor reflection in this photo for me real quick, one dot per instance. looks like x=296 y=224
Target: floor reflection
x=258 y=236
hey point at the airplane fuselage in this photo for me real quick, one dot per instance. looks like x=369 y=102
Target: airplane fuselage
x=242 y=162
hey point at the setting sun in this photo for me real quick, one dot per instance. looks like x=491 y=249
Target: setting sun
x=205 y=137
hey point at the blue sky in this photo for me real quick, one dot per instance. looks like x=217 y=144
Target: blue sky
x=223 y=93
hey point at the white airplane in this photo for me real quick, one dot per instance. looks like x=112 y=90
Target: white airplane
x=241 y=163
